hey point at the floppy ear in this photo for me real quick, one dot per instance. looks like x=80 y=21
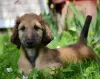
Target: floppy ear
x=14 y=37
x=47 y=35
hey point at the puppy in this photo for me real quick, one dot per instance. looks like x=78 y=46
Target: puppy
x=32 y=34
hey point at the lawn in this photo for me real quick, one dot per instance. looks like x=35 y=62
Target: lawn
x=9 y=55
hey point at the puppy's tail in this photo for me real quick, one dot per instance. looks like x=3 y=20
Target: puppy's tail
x=84 y=32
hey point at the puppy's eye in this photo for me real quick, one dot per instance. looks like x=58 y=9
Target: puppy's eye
x=36 y=28
x=22 y=28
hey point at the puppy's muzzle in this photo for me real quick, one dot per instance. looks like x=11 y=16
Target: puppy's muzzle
x=29 y=43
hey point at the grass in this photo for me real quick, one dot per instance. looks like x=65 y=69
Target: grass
x=9 y=55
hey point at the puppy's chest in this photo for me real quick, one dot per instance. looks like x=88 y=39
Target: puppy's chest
x=40 y=62
x=37 y=62
x=43 y=61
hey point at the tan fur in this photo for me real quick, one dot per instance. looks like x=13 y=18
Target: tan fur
x=45 y=57
x=76 y=53
x=24 y=64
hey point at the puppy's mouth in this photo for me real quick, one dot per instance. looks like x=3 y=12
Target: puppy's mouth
x=29 y=44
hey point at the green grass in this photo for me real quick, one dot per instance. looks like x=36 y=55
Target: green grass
x=8 y=58
x=9 y=55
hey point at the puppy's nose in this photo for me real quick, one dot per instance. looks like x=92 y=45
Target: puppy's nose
x=30 y=43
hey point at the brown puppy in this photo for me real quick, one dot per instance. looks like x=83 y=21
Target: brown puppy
x=32 y=34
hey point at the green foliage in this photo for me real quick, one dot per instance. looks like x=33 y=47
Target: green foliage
x=97 y=28
x=8 y=59
x=65 y=39
x=51 y=22
x=84 y=70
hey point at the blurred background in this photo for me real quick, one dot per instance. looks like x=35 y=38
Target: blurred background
x=9 y=10
x=61 y=12
x=65 y=19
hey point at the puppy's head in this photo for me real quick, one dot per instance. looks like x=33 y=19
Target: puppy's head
x=31 y=30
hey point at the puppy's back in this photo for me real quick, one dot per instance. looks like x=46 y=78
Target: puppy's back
x=80 y=50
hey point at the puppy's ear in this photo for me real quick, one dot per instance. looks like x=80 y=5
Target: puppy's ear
x=14 y=37
x=47 y=35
